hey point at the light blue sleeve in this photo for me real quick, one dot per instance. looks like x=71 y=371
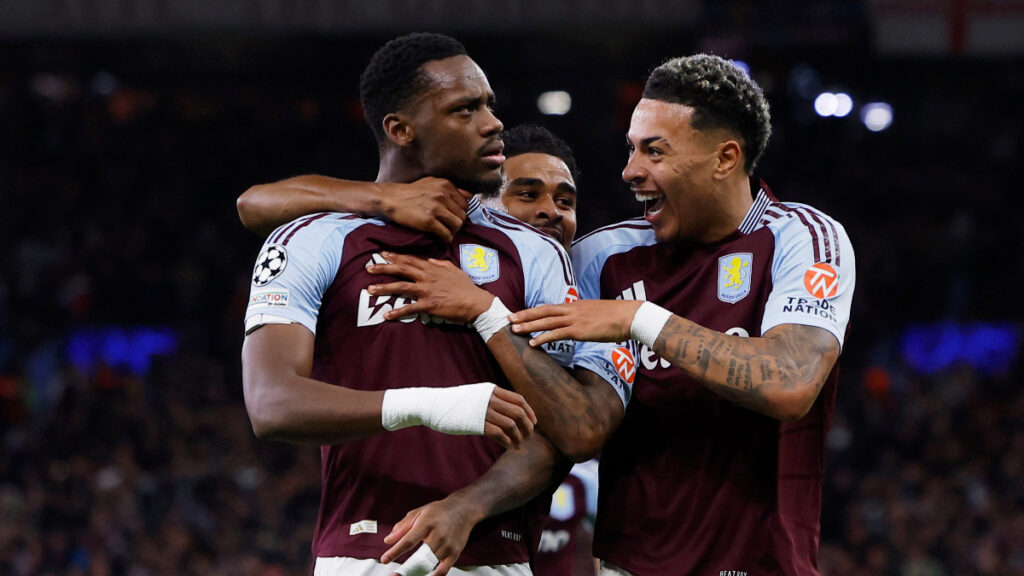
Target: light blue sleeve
x=809 y=292
x=296 y=265
x=549 y=279
x=614 y=362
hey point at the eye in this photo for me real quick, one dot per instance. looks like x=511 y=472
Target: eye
x=526 y=195
x=654 y=152
x=566 y=202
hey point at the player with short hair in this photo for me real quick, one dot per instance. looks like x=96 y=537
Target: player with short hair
x=316 y=333
x=741 y=304
x=539 y=189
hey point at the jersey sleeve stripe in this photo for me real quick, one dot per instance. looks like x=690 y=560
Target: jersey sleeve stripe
x=308 y=221
x=830 y=236
x=277 y=235
x=815 y=239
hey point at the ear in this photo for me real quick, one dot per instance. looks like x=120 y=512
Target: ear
x=730 y=158
x=398 y=129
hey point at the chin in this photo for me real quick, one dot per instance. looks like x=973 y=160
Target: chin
x=487 y=186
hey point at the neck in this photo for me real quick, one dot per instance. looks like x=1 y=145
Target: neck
x=735 y=202
x=396 y=167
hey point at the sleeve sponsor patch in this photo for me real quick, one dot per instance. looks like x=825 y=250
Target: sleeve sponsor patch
x=625 y=364
x=821 y=281
x=274 y=298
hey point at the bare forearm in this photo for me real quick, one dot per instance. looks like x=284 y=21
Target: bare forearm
x=516 y=477
x=306 y=411
x=575 y=414
x=779 y=376
x=264 y=207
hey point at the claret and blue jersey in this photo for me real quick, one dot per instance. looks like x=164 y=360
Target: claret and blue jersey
x=692 y=483
x=312 y=271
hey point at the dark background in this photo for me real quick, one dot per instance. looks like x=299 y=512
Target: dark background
x=124 y=145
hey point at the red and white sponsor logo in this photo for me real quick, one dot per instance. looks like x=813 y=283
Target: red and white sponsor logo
x=624 y=363
x=821 y=280
x=572 y=295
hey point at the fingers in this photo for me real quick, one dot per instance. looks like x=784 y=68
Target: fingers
x=551 y=336
x=546 y=311
x=444 y=566
x=507 y=431
x=409 y=539
x=515 y=398
x=541 y=325
x=403 y=526
x=406 y=289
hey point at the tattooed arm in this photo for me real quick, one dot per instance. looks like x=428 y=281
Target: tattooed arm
x=577 y=413
x=779 y=374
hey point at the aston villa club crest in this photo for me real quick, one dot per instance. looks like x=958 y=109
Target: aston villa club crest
x=480 y=262
x=734 y=277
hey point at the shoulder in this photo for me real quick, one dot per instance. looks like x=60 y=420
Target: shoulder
x=527 y=239
x=315 y=229
x=795 y=224
x=612 y=239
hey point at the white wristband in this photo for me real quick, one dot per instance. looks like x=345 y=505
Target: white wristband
x=422 y=562
x=493 y=319
x=459 y=410
x=648 y=322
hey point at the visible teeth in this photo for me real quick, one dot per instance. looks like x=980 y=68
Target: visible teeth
x=645 y=196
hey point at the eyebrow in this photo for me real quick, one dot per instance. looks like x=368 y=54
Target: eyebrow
x=646 y=141
x=527 y=181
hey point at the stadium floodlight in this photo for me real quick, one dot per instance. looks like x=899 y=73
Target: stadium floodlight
x=826 y=104
x=554 y=103
x=844 y=105
x=876 y=116
x=742 y=66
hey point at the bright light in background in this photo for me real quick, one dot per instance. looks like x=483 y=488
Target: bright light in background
x=826 y=104
x=876 y=116
x=554 y=103
x=844 y=104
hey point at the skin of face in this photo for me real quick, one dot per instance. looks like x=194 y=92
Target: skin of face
x=457 y=135
x=540 y=191
x=672 y=169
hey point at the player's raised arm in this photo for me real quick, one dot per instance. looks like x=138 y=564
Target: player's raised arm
x=432 y=205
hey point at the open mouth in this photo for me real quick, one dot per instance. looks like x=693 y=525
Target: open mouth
x=654 y=202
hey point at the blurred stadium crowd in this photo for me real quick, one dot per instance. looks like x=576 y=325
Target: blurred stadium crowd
x=118 y=190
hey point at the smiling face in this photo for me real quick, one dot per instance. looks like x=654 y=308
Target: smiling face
x=540 y=191
x=456 y=134
x=671 y=169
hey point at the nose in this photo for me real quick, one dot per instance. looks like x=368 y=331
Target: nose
x=491 y=124
x=634 y=171
x=546 y=209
